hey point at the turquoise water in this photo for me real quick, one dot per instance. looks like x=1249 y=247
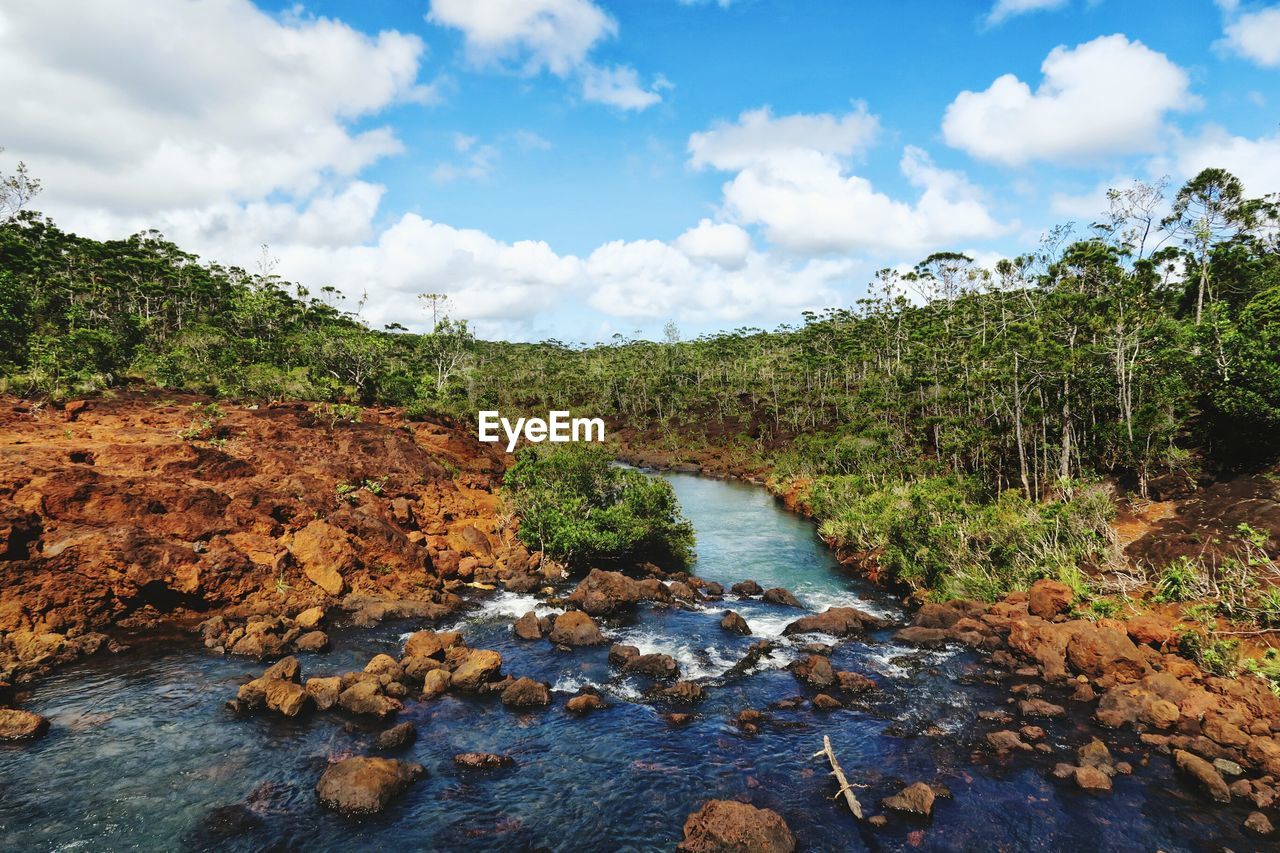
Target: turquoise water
x=142 y=755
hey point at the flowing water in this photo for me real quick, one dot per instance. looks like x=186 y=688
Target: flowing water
x=143 y=756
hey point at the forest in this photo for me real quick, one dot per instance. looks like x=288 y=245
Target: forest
x=956 y=421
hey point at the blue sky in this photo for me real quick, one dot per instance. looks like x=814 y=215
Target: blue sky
x=575 y=168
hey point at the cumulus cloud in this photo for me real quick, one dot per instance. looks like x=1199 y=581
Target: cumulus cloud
x=139 y=108
x=1107 y=96
x=1254 y=35
x=1005 y=9
x=1256 y=162
x=793 y=179
x=723 y=243
x=556 y=36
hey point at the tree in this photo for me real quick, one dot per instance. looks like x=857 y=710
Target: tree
x=16 y=191
x=1207 y=210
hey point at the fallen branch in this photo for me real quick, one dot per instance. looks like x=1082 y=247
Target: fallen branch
x=838 y=772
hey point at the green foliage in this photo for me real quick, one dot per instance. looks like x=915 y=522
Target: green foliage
x=582 y=510
x=1268 y=668
x=1181 y=580
x=332 y=414
x=1215 y=654
x=939 y=534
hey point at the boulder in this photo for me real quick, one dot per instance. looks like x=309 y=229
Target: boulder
x=734 y=622
x=362 y=785
x=365 y=697
x=726 y=826
x=324 y=692
x=1099 y=651
x=601 y=593
x=16 y=724
x=853 y=682
x=1040 y=708
x=431 y=644
x=478 y=667
x=928 y=638
x=325 y=554
x=1204 y=774
x=1095 y=754
x=312 y=641
x=655 y=665
x=482 y=760
x=1049 y=598
x=1150 y=630
x=746 y=589
x=434 y=683
x=686 y=692
x=620 y=655
x=396 y=737
x=286 y=697
x=778 y=595
x=1006 y=741
x=526 y=693
x=585 y=703
x=310 y=619
x=823 y=702
x=527 y=627
x=575 y=628
x=385 y=665
x=1258 y=824
x=1092 y=779
x=915 y=799
x=837 y=621
x=814 y=670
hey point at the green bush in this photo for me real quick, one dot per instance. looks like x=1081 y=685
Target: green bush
x=580 y=509
x=940 y=536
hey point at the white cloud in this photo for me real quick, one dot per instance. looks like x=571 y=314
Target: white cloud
x=1256 y=162
x=759 y=138
x=158 y=104
x=1106 y=96
x=724 y=244
x=792 y=178
x=1005 y=9
x=551 y=35
x=1255 y=35
x=619 y=86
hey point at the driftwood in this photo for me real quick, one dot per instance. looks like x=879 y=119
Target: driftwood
x=838 y=772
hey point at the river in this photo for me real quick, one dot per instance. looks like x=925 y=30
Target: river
x=142 y=755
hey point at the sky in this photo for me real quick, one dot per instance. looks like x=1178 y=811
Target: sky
x=576 y=169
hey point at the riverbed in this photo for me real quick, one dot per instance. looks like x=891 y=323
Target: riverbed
x=142 y=754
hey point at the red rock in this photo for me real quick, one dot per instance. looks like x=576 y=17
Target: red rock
x=1151 y=630
x=1049 y=598
x=575 y=628
x=585 y=703
x=726 y=826
x=837 y=621
x=814 y=670
x=1203 y=774
x=914 y=799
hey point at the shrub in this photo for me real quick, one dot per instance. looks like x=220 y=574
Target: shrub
x=1181 y=580
x=579 y=508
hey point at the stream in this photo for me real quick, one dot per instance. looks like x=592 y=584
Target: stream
x=142 y=755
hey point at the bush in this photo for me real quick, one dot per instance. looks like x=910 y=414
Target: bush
x=938 y=535
x=580 y=509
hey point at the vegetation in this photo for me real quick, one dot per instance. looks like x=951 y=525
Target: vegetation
x=953 y=424
x=580 y=509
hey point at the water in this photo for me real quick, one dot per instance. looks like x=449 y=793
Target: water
x=142 y=755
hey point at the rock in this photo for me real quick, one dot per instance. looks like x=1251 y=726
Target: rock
x=914 y=799
x=734 y=622
x=416 y=668
x=575 y=628
x=683 y=591
x=815 y=670
x=653 y=665
x=1092 y=779
x=1258 y=824
x=527 y=627
x=853 y=682
x=325 y=554
x=363 y=785
x=1031 y=732
x=1094 y=754
x=727 y=826
x=1049 y=598
x=778 y=595
x=310 y=619
x=1006 y=741
x=837 y=621
x=479 y=666
x=585 y=703
x=324 y=692
x=365 y=697
x=686 y=692
x=431 y=644
x=1098 y=652
x=1203 y=774
x=312 y=641
x=928 y=638
x=21 y=725
x=1227 y=767
x=286 y=697
x=482 y=760
x=1040 y=708
x=601 y=593
x=823 y=702
x=1150 y=630
x=746 y=589
x=434 y=683
x=676 y=720
x=526 y=693
x=1004 y=718
x=620 y=655
x=385 y=665
x=396 y=737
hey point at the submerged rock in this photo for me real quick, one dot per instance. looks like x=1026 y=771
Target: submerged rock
x=396 y=737
x=1204 y=774
x=726 y=826
x=686 y=692
x=1258 y=824
x=363 y=785
x=482 y=760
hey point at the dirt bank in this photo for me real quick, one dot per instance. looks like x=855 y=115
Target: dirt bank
x=122 y=514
